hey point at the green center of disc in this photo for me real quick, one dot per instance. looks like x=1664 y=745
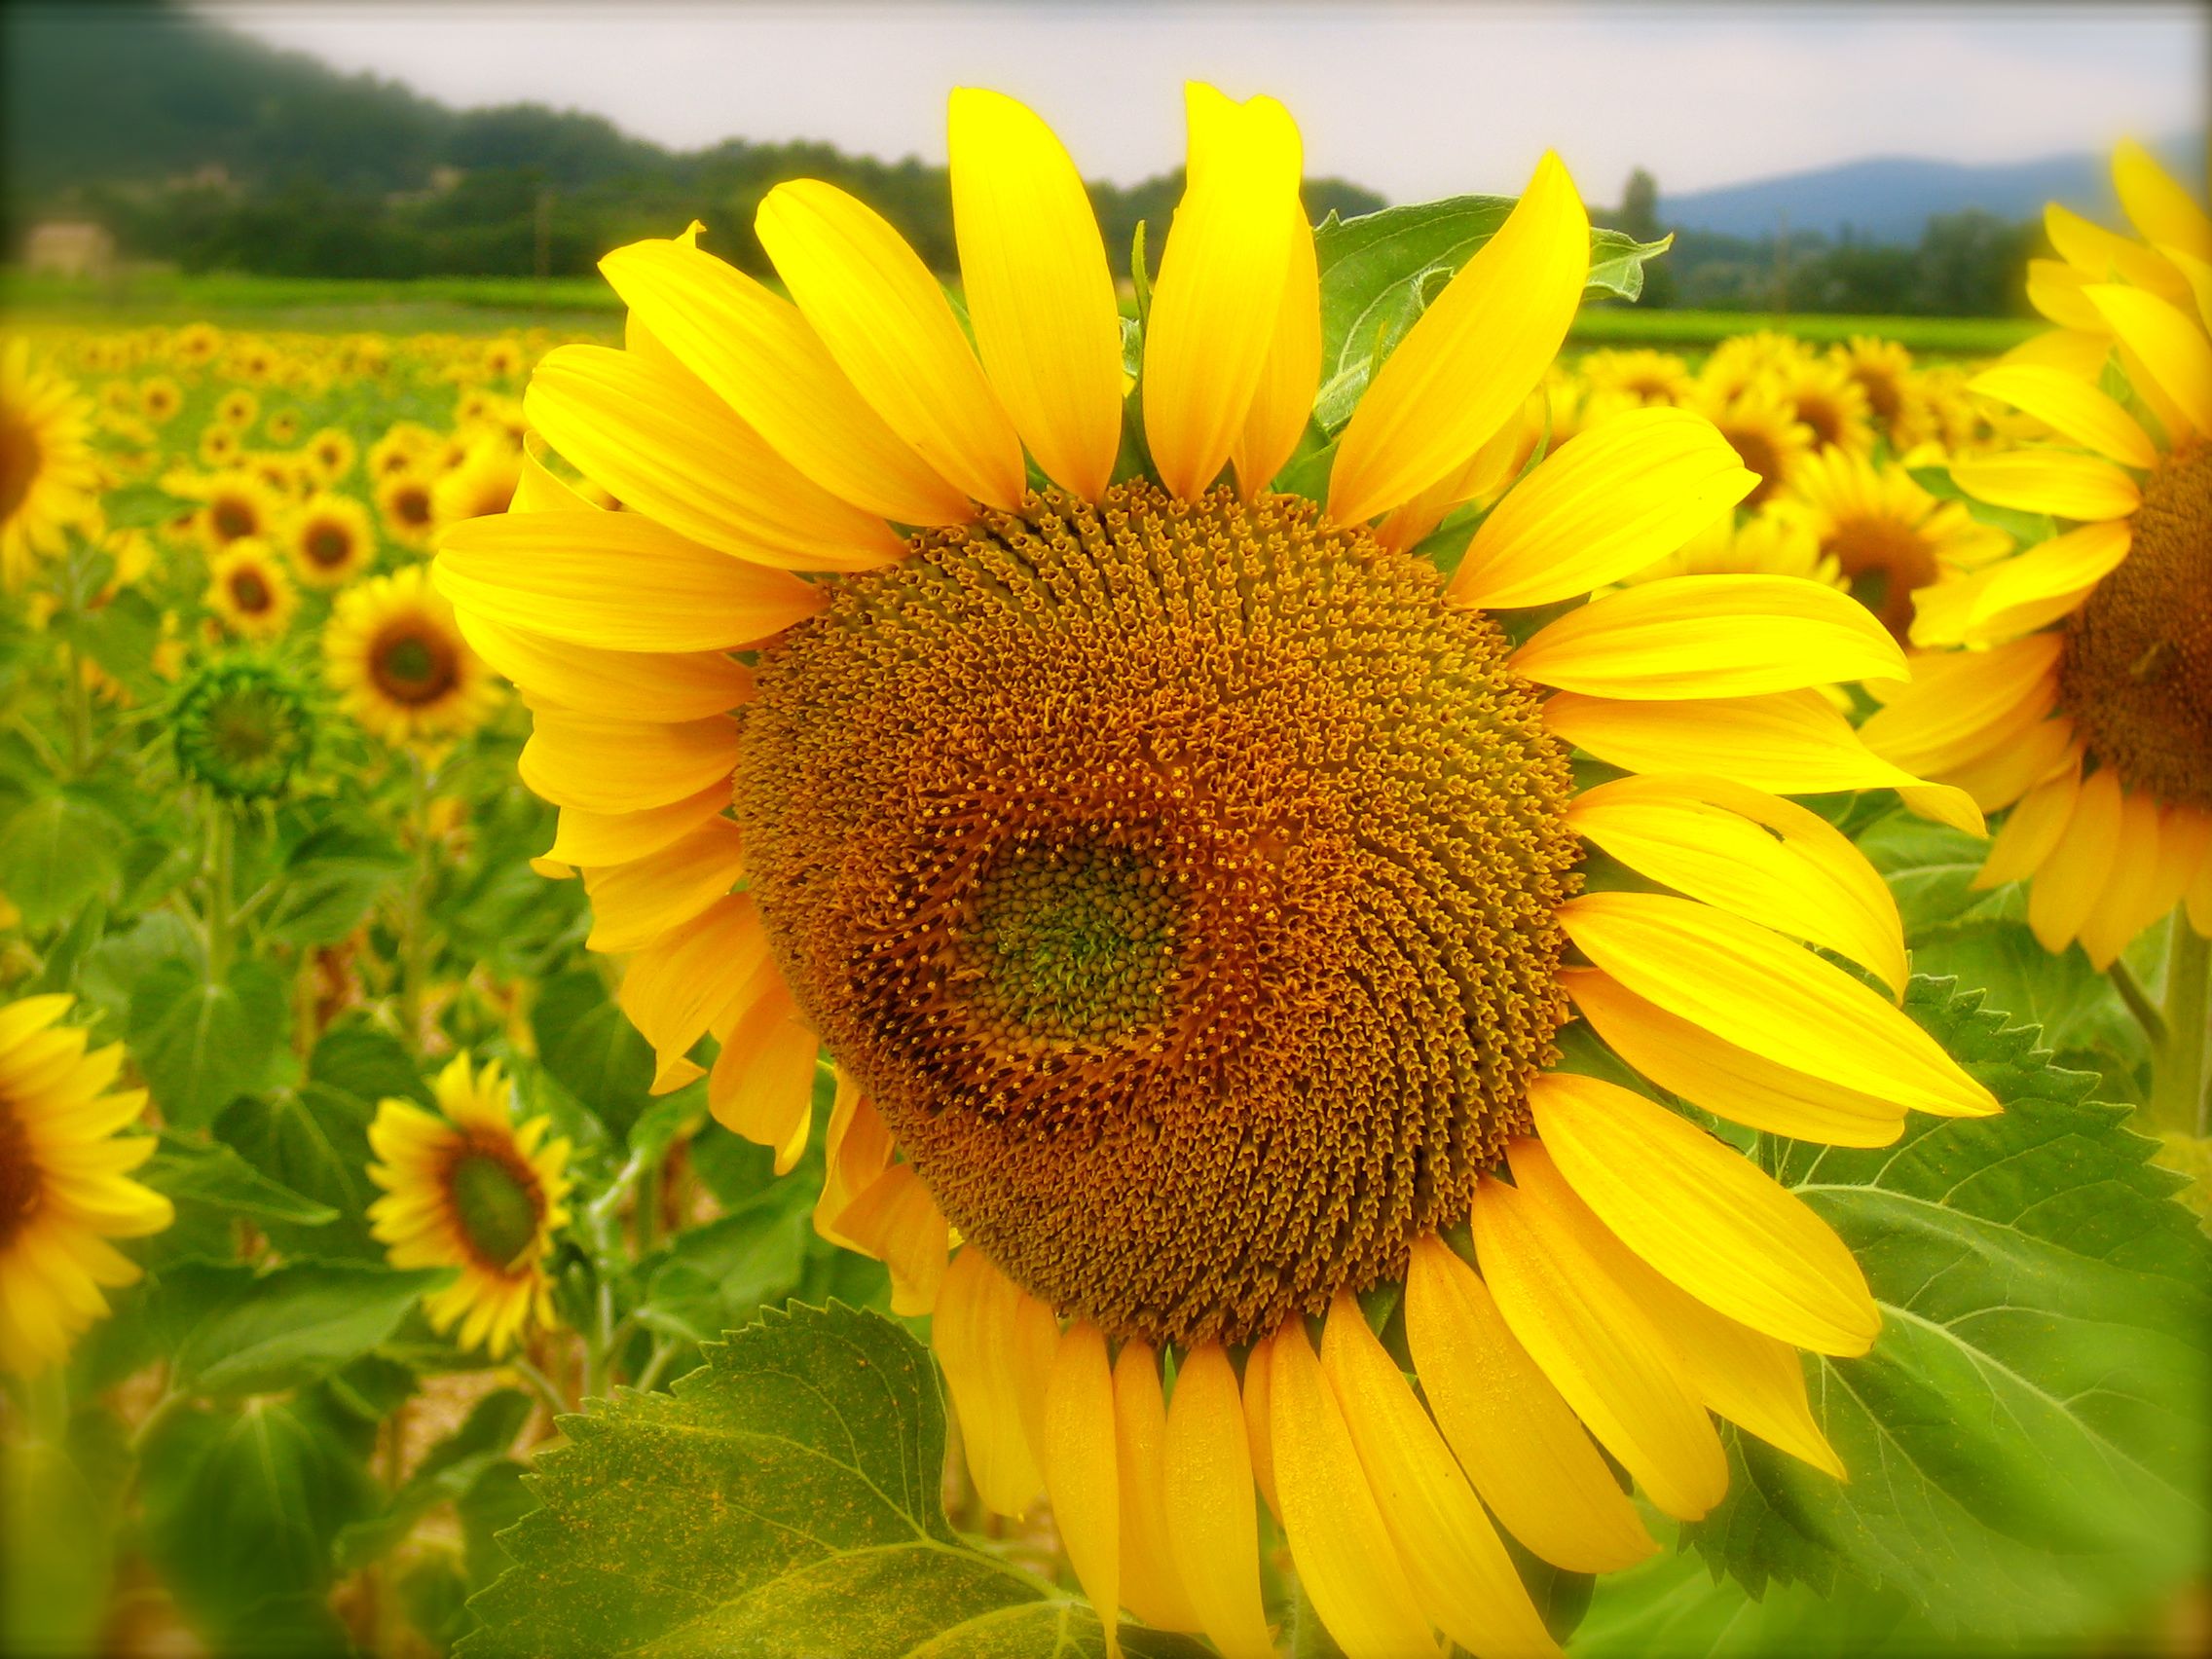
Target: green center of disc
x=1071 y=942
x=497 y=1210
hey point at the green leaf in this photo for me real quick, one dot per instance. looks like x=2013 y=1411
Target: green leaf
x=58 y=852
x=448 y=1470
x=1380 y=271
x=202 y=1044
x=2027 y=1437
x=113 y=968
x=262 y=1333
x=59 y=972
x=334 y=877
x=139 y=506
x=589 y=1046
x=719 y=1277
x=1931 y=869
x=240 y=1509
x=204 y=1172
x=315 y=1141
x=784 y=1500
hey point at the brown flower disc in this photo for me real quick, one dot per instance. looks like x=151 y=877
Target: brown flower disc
x=1179 y=878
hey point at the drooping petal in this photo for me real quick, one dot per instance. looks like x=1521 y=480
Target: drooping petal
x=632 y=685
x=2071 y=407
x=670 y=449
x=2170 y=343
x=758 y=355
x=1464 y=1579
x=1704 y=1215
x=1607 y=502
x=1599 y=1349
x=1478 y=349
x=612 y=766
x=677 y=987
x=1152 y=1584
x=974 y=1303
x=2105 y=256
x=1754 y=988
x=2053 y=481
x=2073 y=873
x=1282 y=403
x=1962 y=704
x=2048 y=581
x=882 y=316
x=2128 y=901
x=1712 y=636
x=618 y=581
x=1079 y=1468
x=595 y=838
x=1219 y=292
x=2158 y=206
x=1039 y=290
x=1259 y=1416
x=633 y=904
x=2031 y=829
x=1212 y=1518
x=1346 y=1562
x=896 y=1221
x=763 y=1083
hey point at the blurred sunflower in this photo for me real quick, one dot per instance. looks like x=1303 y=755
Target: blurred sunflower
x=237 y=409
x=331 y=540
x=49 y=476
x=1780 y=539
x=234 y=505
x=219 y=446
x=402 y=446
x=63 y=1182
x=400 y=666
x=249 y=590
x=1882 y=370
x=1646 y=375
x=159 y=399
x=2074 y=686
x=331 y=453
x=483 y=483
x=1890 y=538
x=1177 y=860
x=242 y=726
x=464 y=1187
x=403 y=500
x=1762 y=428
x=1822 y=393
x=196 y=343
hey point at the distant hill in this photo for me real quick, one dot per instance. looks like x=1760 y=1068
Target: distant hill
x=1890 y=199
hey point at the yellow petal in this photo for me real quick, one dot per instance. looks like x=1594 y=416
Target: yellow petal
x=2171 y=345
x=624 y=765
x=666 y=447
x=885 y=320
x=757 y=354
x=1039 y=293
x=1606 y=503
x=1784 y=743
x=2199 y=274
x=1999 y=779
x=1212 y=1518
x=1478 y=349
x=2156 y=206
x=1259 y=1414
x=2102 y=256
x=633 y=904
x=1684 y=1059
x=537 y=490
x=1346 y=1562
x=1704 y=1215
x=618 y=581
x=1465 y=1581
x=1219 y=292
x=2050 y=481
x=2071 y=408
x=2073 y=874
x=2047 y=581
x=1485 y=474
x=972 y=1332
x=1283 y=401
x=2055 y=288
x=631 y=686
x=1754 y=988
x=2031 y=829
x=1080 y=1469
x=2129 y=901
x=1152 y=1585
x=1599 y=1349
x=1962 y=704
x=1765 y=858
x=677 y=986
x=1519 y=1441
x=763 y=1083
x=855 y=1148
x=2079 y=352
x=600 y=838
x=895 y=1219
x=1721 y=635
x=2184 y=843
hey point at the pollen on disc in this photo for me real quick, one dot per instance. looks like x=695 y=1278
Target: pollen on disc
x=1180 y=879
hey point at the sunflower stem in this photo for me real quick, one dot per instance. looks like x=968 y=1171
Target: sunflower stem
x=413 y=919
x=222 y=858
x=2178 y=1101
x=555 y=1402
x=664 y=1350
x=2139 y=1004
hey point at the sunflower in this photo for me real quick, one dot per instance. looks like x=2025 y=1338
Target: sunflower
x=464 y=1187
x=2073 y=681
x=242 y=726
x=401 y=449
x=1648 y=377
x=1183 y=875
x=64 y=1187
x=400 y=666
x=331 y=453
x=1822 y=394
x=249 y=589
x=1890 y=538
x=49 y=476
x=237 y=409
x=483 y=483
x=236 y=506
x=160 y=398
x=196 y=343
x=219 y=446
x=1763 y=429
x=1780 y=539
x=331 y=540
x=1882 y=370
x=403 y=500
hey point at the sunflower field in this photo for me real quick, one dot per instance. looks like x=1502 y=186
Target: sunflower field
x=1235 y=950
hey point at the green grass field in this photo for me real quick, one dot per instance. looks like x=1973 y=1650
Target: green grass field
x=586 y=306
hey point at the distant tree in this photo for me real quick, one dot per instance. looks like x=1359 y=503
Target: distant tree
x=1639 y=216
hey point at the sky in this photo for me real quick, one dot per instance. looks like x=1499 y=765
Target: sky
x=1415 y=100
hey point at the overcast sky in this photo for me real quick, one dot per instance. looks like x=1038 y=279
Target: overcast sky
x=1415 y=100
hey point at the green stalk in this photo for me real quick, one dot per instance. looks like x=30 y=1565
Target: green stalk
x=80 y=699
x=414 y=920
x=222 y=857
x=2178 y=1101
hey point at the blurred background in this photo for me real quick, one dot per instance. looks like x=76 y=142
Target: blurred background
x=1886 y=158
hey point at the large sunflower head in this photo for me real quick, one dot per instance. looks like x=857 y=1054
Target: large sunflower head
x=250 y=591
x=399 y=665
x=64 y=1186
x=466 y=1187
x=242 y=726
x=2071 y=682
x=49 y=476
x=1183 y=872
x=330 y=539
